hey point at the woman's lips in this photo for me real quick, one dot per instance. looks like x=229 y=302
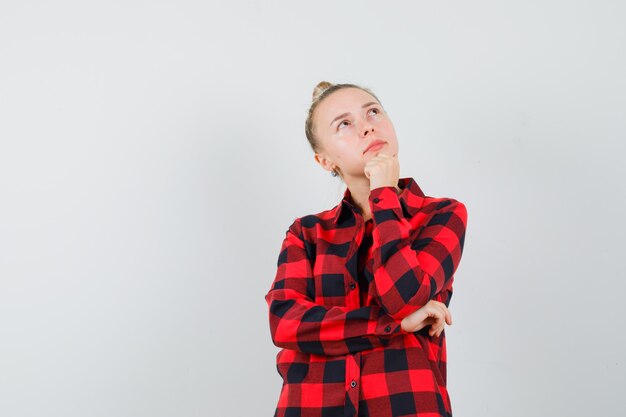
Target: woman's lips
x=376 y=146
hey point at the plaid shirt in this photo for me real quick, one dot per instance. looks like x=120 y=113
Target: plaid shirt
x=344 y=352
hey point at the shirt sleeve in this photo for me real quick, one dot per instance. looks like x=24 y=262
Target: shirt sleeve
x=414 y=259
x=298 y=323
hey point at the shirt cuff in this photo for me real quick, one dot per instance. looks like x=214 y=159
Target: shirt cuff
x=387 y=327
x=385 y=204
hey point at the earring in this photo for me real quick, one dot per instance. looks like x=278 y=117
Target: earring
x=334 y=173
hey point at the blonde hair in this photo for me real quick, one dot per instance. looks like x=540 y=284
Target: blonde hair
x=322 y=90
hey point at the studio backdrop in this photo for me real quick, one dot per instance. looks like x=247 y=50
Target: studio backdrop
x=152 y=156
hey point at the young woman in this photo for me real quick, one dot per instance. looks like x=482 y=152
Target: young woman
x=359 y=301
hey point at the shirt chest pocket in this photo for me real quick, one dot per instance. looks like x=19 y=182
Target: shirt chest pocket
x=331 y=276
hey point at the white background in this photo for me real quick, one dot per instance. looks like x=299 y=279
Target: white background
x=152 y=155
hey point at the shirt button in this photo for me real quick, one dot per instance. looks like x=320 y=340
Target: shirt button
x=376 y=200
x=352 y=286
x=353 y=384
x=388 y=329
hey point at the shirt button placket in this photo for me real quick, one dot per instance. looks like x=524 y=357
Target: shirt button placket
x=353 y=361
x=353 y=373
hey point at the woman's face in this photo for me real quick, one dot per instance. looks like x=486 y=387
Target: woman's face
x=346 y=123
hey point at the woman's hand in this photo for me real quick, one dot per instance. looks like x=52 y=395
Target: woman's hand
x=433 y=313
x=382 y=170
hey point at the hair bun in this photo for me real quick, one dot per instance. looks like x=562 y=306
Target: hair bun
x=319 y=89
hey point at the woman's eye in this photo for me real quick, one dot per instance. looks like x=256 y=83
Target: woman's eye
x=375 y=109
x=345 y=121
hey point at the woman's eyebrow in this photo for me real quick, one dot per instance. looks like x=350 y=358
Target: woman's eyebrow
x=345 y=114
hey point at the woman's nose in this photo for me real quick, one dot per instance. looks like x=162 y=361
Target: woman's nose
x=367 y=129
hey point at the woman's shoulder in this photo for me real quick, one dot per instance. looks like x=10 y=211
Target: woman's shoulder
x=307 y=225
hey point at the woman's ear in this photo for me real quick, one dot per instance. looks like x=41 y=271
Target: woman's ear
x=324 y=162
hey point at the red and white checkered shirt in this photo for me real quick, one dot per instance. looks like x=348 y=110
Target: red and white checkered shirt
x=337 y=317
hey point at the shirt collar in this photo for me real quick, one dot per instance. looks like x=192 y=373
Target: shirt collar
x=408 y=188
